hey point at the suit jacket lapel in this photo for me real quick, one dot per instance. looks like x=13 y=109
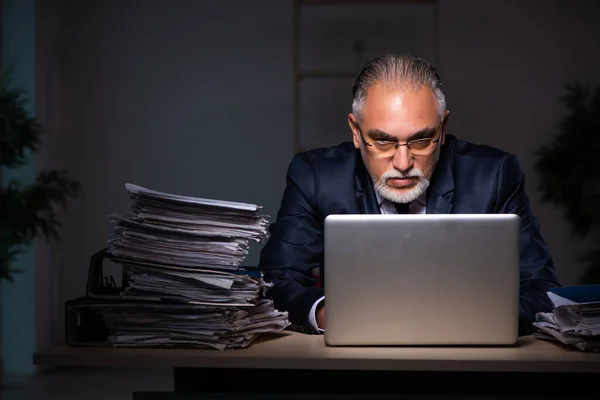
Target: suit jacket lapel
x=365 y=193
x=440 y=194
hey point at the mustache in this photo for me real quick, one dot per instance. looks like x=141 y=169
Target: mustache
x=395 y=174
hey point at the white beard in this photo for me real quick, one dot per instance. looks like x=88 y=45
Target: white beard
x=398 y=195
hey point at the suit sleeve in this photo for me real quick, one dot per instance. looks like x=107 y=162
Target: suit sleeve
x=295 y=247
x=537 y=272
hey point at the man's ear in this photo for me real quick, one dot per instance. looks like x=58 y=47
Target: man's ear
x=355 y=132
x=443 y=134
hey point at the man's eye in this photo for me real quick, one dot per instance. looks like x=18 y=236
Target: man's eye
x=420 y=143
x=384 y=142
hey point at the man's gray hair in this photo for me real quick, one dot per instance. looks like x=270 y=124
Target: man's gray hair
x=397 y=72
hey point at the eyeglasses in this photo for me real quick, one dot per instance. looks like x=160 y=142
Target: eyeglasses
x=417 y=147
x=388 y=148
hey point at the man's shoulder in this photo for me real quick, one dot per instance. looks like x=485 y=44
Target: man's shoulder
x=339 y=152
x=331 y=159
x=471 y=161
x=464 y=151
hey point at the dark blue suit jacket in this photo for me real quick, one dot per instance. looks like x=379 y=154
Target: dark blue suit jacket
x=469 y=178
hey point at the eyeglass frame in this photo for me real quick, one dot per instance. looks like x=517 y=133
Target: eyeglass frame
x=398 y=144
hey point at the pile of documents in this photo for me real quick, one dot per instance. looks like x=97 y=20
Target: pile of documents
x=186 y=231
x=185 y=284
x=575 y=318
x=146 y=324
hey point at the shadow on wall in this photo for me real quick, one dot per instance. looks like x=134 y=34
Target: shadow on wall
x=569 y=171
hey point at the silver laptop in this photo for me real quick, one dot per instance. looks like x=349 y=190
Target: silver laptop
x=423 y=279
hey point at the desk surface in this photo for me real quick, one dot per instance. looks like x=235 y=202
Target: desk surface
x=292 y=350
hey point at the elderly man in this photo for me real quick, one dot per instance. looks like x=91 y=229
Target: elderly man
x=401 y=160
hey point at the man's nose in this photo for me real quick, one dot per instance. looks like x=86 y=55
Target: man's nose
x=403 y=160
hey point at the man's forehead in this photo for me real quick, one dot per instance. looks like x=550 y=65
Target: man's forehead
x=391 y=105
x=380 y=92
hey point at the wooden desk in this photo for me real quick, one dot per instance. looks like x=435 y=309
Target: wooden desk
x=294 y=362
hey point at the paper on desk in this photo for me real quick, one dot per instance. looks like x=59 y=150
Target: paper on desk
x=184 y=285
x=558 y=301
x=139 y=190
x=185 y=231
x=160 y=325
x=224 y=283
x=572 y=323
x=200 y=286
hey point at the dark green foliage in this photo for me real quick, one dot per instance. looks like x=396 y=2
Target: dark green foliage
x=569 y=169
x=27 y=211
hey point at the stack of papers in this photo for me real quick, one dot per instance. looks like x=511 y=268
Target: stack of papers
x=185 y=231
x=148 y=281
x=191 y=326
x=575 y=318
x=182 y=262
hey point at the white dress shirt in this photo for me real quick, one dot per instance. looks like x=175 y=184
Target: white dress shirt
x=419 y=206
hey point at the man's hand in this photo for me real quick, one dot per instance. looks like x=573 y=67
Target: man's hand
x=321 y=316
